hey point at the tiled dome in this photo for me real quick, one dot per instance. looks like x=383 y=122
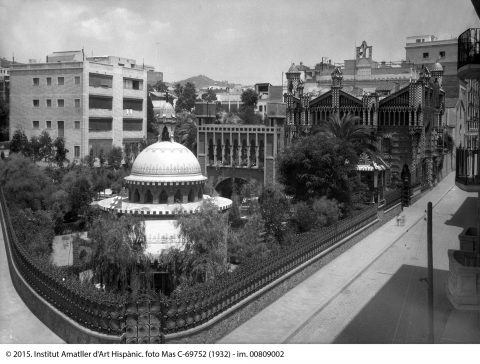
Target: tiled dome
x=166 y=162
x=437 y=67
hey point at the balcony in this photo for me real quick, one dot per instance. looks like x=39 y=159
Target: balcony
x=100 y=113
x=467 y=175
x=468 y=64
x=133 y=93
x=132 y=114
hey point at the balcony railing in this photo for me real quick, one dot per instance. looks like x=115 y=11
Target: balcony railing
x=467 y=166
x=469 y=47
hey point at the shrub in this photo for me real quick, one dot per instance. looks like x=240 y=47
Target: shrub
x=327 y=211
x=304 y=218
x=247 y=242
x=34 y=230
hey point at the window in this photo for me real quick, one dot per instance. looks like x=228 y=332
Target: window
x=133 y=104
x=425 y=55
x=133 y=84
x=76 y=149
x=36 y=124
x=96 y=80
x=61 y=81
x=260 y=108
x=77 y=80
x=77 y=124
x=49 y=102
x=77 y=103
x=49 y=81
x=99 y=102
x=61 y=128
x=36 y=81
x=132 y=124
x=442 y=54
x=36 y=103
x=418 y=40
x=49 y=124
x=100 y=124
x=60 y=103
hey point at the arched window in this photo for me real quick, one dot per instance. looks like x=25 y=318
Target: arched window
x=148 y=197
x=178 y=197
x=163 y=197
x=191 y=196
x=200 y=193
x=136 y=196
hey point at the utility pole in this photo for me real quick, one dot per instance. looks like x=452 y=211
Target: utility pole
x=431 y=338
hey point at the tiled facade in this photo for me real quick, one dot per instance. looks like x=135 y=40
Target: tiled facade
x=93 y=113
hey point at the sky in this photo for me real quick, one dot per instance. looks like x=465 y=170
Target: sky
x=242 y=41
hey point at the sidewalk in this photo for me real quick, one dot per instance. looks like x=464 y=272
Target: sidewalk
x=372 y=293
x=18 y=325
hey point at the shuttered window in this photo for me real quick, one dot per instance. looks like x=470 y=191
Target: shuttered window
x=100 y=124
x=96 y=80
x=133 y=104
x=132 y=124
x=98 y=102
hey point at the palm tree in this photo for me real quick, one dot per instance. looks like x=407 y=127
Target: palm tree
x=186 y=131
x=347 y=129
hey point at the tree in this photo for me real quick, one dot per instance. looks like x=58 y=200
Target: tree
x=247 y=242
x=249 y=98
x=34 y=229
x=209 y=96
x=24 y=183
x=186 y=97
x=19 y=142
x=101 y=158
x=89 y=160
x=151 y=127
x=46 y=147
x=118 y=256
x=274 y=208
x=204 y=236
x=248 y=116
x=346 y=129
x=114 y=157
x=34 y=148
x=160 y=86
x=316 y=166
x=60 y=156
x=78 y=184
x=186 y=131
x=247 y=111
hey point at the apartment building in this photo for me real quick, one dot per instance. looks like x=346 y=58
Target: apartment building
x=92 y=102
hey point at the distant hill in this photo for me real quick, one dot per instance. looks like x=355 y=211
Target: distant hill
x=202 y=81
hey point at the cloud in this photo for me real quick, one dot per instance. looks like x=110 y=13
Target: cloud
x=228 y=35
x=120 y=23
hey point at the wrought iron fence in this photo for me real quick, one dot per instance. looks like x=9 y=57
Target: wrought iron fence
x=147 y=318
x=392 y=198
x=469 y=47
x=100 y=314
